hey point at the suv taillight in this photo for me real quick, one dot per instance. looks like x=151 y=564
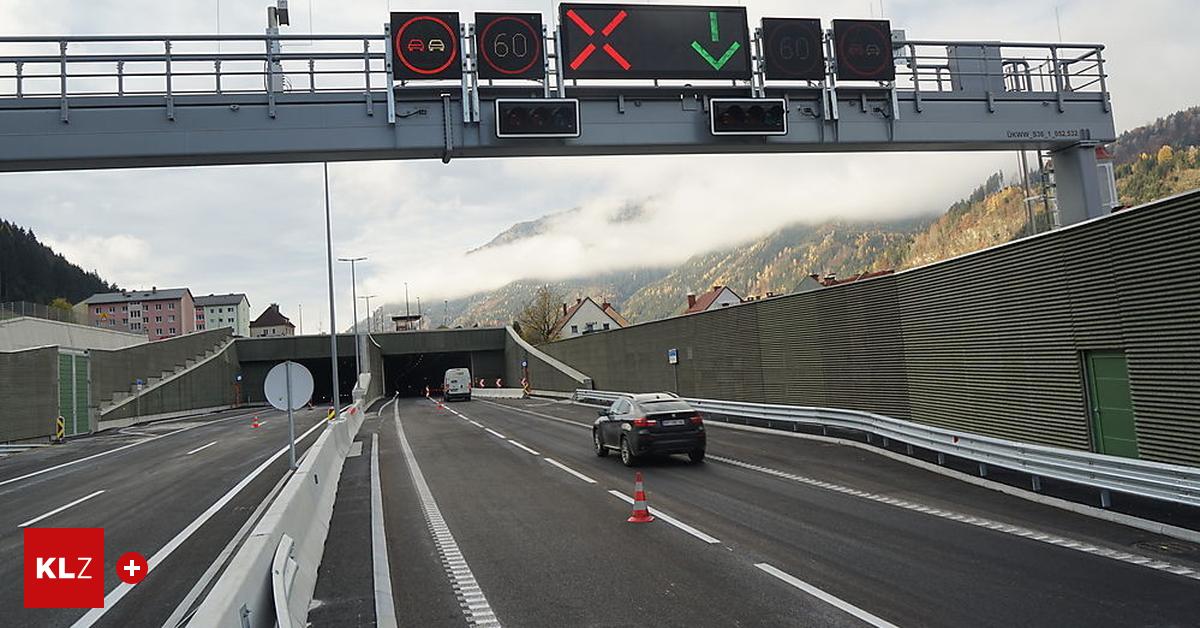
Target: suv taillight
x=644 y=422
x=697 y=419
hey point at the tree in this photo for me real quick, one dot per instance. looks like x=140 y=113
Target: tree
x=61 y=303
x=538 y=316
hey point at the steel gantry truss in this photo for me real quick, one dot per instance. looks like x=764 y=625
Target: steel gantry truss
x=144 y=101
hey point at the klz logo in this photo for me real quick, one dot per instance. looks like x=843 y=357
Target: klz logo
x=64 y=567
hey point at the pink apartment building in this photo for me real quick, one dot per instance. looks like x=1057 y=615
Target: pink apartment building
x=157 y=313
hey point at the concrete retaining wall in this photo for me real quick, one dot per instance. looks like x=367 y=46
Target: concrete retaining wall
x=28 y=393
x=991 y=343
x=114 y=371
x=25 y=332
x=208 y=384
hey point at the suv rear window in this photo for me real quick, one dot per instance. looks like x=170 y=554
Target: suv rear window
x=666 y=405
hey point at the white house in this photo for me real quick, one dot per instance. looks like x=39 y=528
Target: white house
x=224 y=310
x=715 y=299
x=586 y=317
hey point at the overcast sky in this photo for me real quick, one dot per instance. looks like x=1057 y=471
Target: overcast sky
x=259 y=229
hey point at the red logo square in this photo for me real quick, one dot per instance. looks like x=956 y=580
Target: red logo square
x=64 y=567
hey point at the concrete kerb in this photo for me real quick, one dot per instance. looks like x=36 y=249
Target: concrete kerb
x=244 y=593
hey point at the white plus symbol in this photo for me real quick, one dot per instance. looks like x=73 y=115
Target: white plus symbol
x=132 y=568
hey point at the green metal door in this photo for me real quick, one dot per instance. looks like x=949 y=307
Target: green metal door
x=1110 y=404
x=73 y=392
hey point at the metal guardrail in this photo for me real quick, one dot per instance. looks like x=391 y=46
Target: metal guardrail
x=1156 y=480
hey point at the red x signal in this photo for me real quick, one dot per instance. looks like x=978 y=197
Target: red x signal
x=591 y=32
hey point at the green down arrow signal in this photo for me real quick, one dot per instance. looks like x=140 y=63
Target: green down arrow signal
x=715 y=33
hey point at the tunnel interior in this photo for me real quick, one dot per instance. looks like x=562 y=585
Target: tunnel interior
x=409 y=374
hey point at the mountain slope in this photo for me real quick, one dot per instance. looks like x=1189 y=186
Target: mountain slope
x=1153 y=161
x=31 y=271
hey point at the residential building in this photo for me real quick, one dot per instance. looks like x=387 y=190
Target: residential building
x=586 y=317
x=272 y=323
x=156 y=313
x=715 y=299
x=224 y=310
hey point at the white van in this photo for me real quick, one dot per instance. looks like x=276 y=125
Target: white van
x=457 y=385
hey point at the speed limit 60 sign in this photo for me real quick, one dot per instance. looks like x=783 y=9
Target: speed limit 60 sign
x=510 y=45
x=793 y=49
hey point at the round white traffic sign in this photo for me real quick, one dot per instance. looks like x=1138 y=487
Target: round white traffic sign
x=276 y=386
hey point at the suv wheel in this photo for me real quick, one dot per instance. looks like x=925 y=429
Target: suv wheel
x=601 y=450
x=627 y=457
x=696 y=456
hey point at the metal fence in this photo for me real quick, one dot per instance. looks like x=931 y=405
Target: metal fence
x=1155 y=480
x=16 y=309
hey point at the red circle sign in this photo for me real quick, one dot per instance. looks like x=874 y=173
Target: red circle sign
x=132 y=567
x=399 y=38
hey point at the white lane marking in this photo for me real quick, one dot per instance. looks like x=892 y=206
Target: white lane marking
x=113 y=451
x=524 y=447
x=471 y=600
x=586 y=426
x=200 y=448
x=395 y=399
x=570 y=470
x=114 y=596
x=495 y=433
x=60 y=509
x=385 y=606
x=476 y=423
x=1027 y=533
x=711 y=540
x=181 y=615
x=825 y=597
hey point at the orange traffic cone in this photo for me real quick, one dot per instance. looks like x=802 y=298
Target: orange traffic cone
x=255 y=424
x=641 y=512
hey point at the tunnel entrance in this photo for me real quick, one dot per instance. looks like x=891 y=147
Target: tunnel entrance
x=409 y=374
x=254 y=373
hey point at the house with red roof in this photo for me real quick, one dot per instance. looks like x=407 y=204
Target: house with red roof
x=586 y=317
x=715 y=299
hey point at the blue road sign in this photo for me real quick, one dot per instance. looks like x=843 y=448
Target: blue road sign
x=672 y=356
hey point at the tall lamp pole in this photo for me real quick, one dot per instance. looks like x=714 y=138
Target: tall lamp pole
x=367 y=298
x=354 y=297
x=335 y=397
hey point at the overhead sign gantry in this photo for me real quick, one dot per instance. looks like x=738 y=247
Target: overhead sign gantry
x=598 y=79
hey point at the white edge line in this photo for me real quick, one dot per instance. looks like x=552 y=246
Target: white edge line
x=60 y=509
x=201 y=448
x=114 y=596
x=570 y=470
x=385 y=606
x=113 y=451
x=711 y=540
x=825 y=597
x=524 y=447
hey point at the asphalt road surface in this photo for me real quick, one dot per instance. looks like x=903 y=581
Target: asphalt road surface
x=500 y=513
x=177 y=490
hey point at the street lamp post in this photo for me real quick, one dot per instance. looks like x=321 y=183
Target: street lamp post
x=367 y=298
x=354 y=307
x=333 y=351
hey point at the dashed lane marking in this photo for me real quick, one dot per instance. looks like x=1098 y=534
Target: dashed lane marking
x=523 y=447
x=1028 y=533
x=59 y=509
x=711 y=540
x=495 y=433
x=826 y=597
x=570 y=470
x=200 y=448
x=474 y=604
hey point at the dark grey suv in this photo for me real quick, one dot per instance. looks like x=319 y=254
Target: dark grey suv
x=650 y=423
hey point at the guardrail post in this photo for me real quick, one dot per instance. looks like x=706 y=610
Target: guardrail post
x=941 y=458
x=312 y=76
x=1105 y=105
x=217 y=74
x=62 y=77
x=170 y=96
x=367 y=77
x=121 y=78
x=1105 y=498
x=983 y=469
x=1036 y=482
x=270 y=78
